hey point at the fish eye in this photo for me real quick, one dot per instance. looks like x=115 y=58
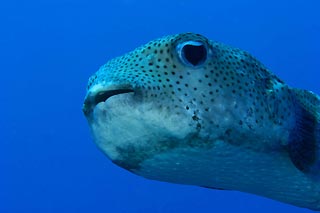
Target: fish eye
x=192 y=53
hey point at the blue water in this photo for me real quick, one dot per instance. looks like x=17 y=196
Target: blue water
x=48 y=49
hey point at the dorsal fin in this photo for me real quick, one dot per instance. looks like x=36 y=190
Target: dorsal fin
x=304 y=140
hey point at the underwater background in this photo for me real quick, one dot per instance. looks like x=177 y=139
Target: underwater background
x=48 y=49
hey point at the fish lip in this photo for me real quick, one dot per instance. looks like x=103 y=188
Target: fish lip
x=98 y=94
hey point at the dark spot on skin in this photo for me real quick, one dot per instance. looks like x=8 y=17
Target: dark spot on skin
x=228 y=132
x=198 y=126
x=195 y=118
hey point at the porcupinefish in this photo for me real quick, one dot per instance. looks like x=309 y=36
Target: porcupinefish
x=188 y=110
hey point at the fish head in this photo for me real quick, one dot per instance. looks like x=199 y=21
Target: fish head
x=174 y=92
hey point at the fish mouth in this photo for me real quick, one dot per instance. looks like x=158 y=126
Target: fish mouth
x=98 y=94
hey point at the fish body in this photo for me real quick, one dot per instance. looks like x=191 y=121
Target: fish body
x=188 y=110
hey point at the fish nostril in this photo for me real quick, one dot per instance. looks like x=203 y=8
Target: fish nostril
x=192 y=53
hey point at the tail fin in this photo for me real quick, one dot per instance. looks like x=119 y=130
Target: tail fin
x=304 y=140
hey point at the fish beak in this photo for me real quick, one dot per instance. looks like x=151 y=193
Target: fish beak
x=98 y=93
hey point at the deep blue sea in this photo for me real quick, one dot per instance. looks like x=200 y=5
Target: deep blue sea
x=48 y=49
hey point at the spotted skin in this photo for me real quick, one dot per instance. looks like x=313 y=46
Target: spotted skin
x=188 y=110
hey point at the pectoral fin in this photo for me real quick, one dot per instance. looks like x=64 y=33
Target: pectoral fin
x=304 y=140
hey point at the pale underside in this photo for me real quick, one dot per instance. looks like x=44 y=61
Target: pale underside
x=230 y=167
x=271 y=174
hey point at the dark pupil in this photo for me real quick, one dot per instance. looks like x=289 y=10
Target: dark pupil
x=194 y=54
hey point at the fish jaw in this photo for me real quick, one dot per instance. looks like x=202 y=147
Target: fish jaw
x=128 y=129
